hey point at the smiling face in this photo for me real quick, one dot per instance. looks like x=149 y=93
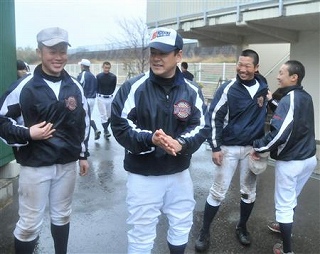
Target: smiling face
x=284 y=78
x=164 y=64
x=53 y=58
x=246 y=68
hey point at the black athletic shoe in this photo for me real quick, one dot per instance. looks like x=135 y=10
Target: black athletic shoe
x=243 y=236
x=203 y=241
x=97 y=134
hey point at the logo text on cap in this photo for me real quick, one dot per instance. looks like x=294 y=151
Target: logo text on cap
x=160 y=34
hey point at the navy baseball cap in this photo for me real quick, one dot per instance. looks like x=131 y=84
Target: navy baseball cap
x=165 y=40
x=52 y=36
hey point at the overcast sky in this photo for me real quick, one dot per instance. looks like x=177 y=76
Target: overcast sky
x=88 y=22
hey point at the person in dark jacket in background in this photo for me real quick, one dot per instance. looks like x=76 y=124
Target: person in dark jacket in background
x=107 y=82
x=159 y=119
x=89 y=84
x=291 y=142
x=22 y=69
x=44 y=117
x=184 y=69
x=237 y=117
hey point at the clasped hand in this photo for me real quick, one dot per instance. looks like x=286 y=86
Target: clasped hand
x=166 y=142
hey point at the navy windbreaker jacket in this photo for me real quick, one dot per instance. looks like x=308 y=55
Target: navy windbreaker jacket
x=31 y=101
x=142 y=106
x=89 y=84
x=237 y=119
x=292 y=134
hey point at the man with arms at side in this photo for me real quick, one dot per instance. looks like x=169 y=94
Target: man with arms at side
x=237 y=117
x=107 y=83
x=44 y=117
x=159 y=119
x=291 y=142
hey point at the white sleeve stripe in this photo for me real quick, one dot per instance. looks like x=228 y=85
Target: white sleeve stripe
x=130 y=103
x=220 y=103
x=198 y=105
x=288 y=119
x=14 y=96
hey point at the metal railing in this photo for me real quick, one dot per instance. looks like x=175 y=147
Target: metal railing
x=204 y=10
x=207 y=75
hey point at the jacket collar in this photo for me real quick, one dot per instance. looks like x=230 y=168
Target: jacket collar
x=39 y=76
x=178 y=78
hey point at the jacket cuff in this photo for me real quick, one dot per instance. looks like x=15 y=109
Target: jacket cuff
x=216 y=149
x=149 y=140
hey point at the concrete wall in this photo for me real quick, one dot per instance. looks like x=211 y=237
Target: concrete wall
x=307 y=51
x=167 y=9
x=272 y=56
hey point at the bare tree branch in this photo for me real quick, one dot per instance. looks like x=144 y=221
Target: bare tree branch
x=133 y=41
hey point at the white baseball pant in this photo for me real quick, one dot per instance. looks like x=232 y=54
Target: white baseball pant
x=149 y=195
x=290 y=177
x=233 y=157
x=91 y=102
x=36 y=185
x=104 y=106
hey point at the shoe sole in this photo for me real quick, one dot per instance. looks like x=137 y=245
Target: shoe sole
x=274 y=230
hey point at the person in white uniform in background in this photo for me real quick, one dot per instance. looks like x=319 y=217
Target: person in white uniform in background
x=89 y=84
x=107 y=82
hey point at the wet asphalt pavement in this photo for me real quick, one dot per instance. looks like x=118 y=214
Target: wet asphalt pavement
x=98 y=222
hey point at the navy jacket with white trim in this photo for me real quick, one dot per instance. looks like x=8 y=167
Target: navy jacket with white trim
x=237 y=119
x=292 y=134
x=30 y=101
x=142 y=106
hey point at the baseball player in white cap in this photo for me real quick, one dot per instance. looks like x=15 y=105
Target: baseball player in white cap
x=44 y=117
x=90 y=85
x=158 y=117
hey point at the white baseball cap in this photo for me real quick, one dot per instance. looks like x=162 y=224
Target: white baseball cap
x=85 y=62
x=165 y=39
x=259 y=166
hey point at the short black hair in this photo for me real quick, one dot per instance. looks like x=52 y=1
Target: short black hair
x=184 y=65
x=21 y=65
x=106 y=63
x=296 y=67
x=251 y=53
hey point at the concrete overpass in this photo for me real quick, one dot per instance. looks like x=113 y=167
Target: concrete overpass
x=247 y=23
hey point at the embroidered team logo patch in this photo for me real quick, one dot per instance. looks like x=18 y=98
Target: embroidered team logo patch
x=260 y=101
x=71 y=103
x=182 y=109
